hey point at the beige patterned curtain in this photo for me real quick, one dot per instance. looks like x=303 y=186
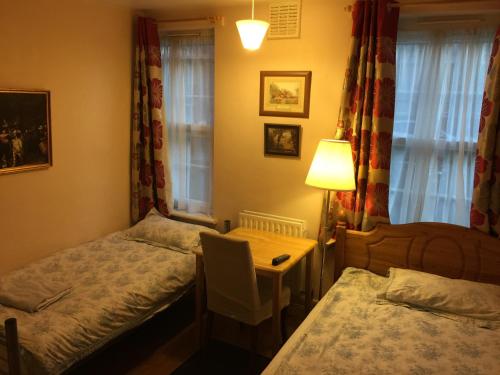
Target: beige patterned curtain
x=367 y=114
x=485 y=208
x=150 y=176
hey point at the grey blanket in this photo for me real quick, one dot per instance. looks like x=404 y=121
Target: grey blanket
x=30 y=294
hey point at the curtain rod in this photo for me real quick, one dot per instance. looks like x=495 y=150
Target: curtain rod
x=448 y=21
x=216 y=20
x=433 y=2
x=409 y=4
x=390 y=5
x=181 y=35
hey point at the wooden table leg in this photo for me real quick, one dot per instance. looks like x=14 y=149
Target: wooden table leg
x=308 y=286
x=277 y=287
x=200 y=280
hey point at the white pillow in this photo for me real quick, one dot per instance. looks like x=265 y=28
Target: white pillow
x=157 y=230
x=457 y=296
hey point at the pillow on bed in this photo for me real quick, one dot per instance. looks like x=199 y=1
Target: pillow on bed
x=157 y=230
x=460 y=297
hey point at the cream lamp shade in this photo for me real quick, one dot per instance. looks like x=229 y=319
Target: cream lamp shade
x=332 y=167
x=252 y=31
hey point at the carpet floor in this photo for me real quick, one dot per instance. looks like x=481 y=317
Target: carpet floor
x=221 y=358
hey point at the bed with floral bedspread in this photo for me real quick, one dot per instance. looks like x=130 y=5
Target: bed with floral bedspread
x=354 y=330
x=116 y=284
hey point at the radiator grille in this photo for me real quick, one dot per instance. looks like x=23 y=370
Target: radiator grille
x=272 y=223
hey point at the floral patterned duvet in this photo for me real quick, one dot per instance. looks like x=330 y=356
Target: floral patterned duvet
x=350 y=331
x=116 y=284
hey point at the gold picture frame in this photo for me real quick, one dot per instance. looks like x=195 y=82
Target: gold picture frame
x=285 y=93
x=25 y=135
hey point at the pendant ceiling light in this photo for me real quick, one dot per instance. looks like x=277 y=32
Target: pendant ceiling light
x=252 y=31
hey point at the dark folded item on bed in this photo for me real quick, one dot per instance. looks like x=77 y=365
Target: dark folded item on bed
x=30 y=294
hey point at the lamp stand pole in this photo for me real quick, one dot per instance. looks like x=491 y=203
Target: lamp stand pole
x=325 y=240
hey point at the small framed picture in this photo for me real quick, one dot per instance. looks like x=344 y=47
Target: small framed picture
x=285 y=94
x=24 y=130
x=282 y=140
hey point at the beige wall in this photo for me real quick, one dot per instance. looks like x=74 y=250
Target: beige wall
x=80 y=51
x=243 y=177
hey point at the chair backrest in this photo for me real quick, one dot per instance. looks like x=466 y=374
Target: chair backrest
x=230 y=275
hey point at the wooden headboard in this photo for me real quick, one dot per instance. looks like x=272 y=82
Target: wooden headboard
x=442 y=249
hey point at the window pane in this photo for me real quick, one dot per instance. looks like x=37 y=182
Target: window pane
x=188 y=63
x=439 y=87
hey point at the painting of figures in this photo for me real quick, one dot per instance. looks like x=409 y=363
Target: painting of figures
x=282 y=140
x=24 y=130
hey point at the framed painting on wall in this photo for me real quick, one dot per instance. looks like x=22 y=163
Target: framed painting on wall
x=282 y=140
x=25 y=140
x=285 y=94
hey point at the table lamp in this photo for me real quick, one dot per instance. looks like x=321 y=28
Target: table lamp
x=331 y=169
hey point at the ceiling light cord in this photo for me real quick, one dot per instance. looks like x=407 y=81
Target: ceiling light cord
x=253 y=6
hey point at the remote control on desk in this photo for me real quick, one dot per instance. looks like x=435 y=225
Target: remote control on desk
x=280 y=259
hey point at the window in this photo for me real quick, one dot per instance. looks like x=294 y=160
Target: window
x=188 y=76
x=439 y=87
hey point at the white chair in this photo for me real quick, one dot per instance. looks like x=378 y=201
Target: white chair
x=233 y=290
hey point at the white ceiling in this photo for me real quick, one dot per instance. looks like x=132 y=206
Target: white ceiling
x=166 y=6
x=156 y=4
x=169 y=4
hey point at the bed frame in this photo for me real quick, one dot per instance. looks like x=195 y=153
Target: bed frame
x=12 y=355
x=438 y=248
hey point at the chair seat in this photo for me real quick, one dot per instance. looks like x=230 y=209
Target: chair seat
x=228 y=308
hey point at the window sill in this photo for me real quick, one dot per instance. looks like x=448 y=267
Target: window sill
x=201 y=218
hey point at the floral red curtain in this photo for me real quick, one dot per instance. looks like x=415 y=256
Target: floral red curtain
x=367 y=113
x=485 y=210
x=150 y=178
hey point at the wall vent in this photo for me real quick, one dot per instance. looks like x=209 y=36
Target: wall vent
x=284 y=19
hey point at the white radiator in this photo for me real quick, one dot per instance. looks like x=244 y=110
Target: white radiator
x=272 y=223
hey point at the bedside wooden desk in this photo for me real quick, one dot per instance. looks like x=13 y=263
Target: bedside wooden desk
x=264 y=247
